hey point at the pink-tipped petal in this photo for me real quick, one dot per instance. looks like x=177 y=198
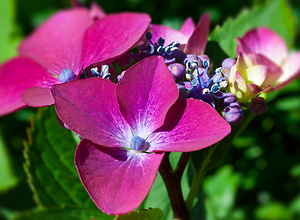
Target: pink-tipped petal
x=37 y=97
x=197 y=42
x=266 y=42
x=253 y=90
x=190 y=125
x=56 y=44
x=291 y=70
x=17 y=75
x=273 y=71
x=145 y=94
x=89 y=107
x=112 y=36
x=188 y=27
x=117 y=180
x=170 y=35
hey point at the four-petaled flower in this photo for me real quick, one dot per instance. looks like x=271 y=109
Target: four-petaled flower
x=68 y=42
x=127 y=127
x=263 y=64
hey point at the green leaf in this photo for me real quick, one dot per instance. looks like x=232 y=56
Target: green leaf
x=49 y=165
x=64 y=214
x=217 y=151
x=8 y=178
x=273 y=210
x=275 y=14
x=8 y=37
x=220 y=197
x=145 y=214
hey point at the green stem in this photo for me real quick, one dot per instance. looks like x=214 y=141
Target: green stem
x=225 y=143
x=198 y=179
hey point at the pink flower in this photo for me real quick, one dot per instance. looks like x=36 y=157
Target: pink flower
x=70 y=41
x=127 y=127
x=263 y=64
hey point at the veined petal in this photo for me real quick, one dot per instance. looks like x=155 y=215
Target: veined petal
x=168 y=34
x=145 y=94
x=17 y=75
x=190 y=125
x=117 y=180
x=188 y=27
x=56 y=44
x=197 y=41
x=112 y=36
x=37 y=97
x=89 y=107
x=291 y=70
x=266 y=42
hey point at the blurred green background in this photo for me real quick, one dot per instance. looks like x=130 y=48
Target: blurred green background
x=259 y=178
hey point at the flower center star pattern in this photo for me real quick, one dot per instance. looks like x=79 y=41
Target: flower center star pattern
x=127 y=127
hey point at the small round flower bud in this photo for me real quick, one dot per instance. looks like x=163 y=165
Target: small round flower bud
x=205 y=61
x=233 y=114
x=66 y=75
x=227 y=64
x=177 y=70
x=258 y=105
x=229 y=99
x=192 y=61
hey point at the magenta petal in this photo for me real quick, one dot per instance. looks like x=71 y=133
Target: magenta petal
x=190 y=125
x=56 y=44
x=17 y=75
x=291 y=70
x=168 y=34
x=197 y=42
x=145 y=94
x=188 y=27
x=37 y=97
x=113 y=35
x=116 y=179
x=264 y=41
x=89 y=107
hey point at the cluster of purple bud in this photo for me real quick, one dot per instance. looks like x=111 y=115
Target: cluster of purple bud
x=197 y=79
x=168 y=52
x=233 y=112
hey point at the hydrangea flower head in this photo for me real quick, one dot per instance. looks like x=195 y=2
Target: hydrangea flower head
x=127 y=127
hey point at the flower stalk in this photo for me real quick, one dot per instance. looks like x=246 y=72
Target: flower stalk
x=172 y=181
